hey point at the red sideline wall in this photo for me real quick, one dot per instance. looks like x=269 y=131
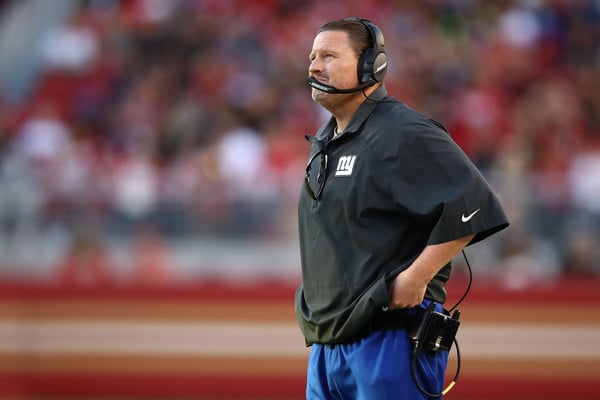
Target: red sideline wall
x=216 y=341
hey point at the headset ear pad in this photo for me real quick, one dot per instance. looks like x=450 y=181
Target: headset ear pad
x=379 y=67
x=372 y=66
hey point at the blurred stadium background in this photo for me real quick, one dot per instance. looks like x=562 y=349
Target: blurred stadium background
x=151 y=154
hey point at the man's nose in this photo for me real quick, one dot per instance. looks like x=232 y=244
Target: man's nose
x=315 y=66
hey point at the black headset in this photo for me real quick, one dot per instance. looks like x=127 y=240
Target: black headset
x=372 y=65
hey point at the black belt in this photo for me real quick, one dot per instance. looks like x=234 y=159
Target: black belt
x=390 y=321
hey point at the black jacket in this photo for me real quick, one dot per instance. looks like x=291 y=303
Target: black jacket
x=394 y=183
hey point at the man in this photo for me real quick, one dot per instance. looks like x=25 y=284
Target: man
x=388 y=200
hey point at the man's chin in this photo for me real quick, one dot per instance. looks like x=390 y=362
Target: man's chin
x=319 y=96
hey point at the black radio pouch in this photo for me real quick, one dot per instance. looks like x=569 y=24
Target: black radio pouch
x=433 y=330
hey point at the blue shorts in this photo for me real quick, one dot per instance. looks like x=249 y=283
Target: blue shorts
x=377 y=367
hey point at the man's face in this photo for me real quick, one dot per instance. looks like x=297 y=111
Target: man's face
x=333 y=62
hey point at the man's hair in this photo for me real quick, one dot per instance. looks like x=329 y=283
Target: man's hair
x=359 y=36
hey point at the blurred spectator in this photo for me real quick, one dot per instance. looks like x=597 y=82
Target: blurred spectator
x=87 y=262
x=44 y=138
x=153 y=262
x=584 y=182
x=72 y=47
x=582 y=252
x=527 y=261
x=135 y=189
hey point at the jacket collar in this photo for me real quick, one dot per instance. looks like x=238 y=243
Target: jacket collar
x=325 y=133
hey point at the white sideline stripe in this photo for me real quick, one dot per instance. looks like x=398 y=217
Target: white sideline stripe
x=530 y=341
x=270 y=339
x=173 y=338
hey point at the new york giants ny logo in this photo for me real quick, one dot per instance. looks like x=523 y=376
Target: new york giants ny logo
x=345 y=166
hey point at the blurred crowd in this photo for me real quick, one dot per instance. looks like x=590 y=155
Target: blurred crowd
x=150 y=121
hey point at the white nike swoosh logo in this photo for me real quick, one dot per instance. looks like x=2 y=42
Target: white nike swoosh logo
x=468 y=217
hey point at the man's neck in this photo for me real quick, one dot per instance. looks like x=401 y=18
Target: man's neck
x=344 y=112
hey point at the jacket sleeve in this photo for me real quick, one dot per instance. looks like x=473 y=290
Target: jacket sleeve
x=437 y=183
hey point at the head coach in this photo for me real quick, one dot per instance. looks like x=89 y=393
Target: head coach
x=387 y=201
